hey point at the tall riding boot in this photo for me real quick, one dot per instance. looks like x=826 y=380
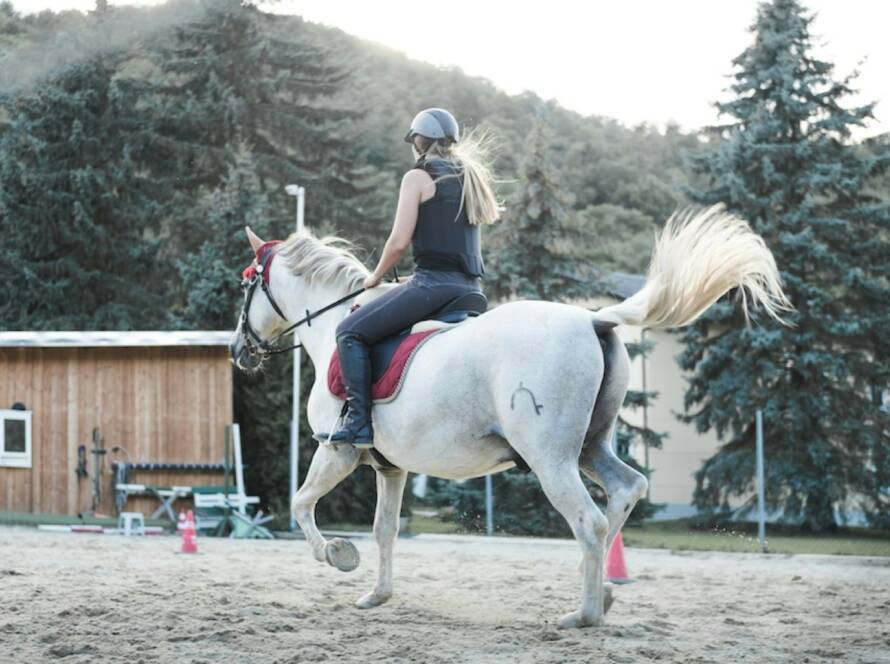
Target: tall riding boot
x=355 y=366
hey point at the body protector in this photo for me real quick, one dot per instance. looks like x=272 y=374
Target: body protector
x=444 y=239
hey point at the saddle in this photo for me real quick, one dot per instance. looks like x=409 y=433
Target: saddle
x=390 y=356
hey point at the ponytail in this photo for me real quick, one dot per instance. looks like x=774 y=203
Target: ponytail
x=473 y=155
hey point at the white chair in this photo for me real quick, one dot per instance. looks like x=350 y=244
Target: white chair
x=131 y=523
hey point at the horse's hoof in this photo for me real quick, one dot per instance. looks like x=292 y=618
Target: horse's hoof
x=575 y=619
x=342 y=554
x=373 y=599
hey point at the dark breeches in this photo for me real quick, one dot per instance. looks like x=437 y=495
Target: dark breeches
x=407 y=303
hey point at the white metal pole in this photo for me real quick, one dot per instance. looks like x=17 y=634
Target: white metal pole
x=489 y=507
x=300 y=193
x=761 y=516
x=239 y=469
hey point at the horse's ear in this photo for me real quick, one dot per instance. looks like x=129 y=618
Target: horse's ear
x=255 y=241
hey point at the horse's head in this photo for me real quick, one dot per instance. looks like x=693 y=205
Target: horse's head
x=262 y=320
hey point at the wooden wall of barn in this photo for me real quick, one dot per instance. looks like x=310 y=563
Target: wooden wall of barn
x=162 y=404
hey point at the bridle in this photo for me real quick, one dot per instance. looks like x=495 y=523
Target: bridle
x=252 y=276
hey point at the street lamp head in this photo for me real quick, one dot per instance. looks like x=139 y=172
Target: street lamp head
x=292 y=189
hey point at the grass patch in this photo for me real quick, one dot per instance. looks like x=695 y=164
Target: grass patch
x=684 y=535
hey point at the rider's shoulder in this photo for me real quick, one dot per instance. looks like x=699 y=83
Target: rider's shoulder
x=416 y=177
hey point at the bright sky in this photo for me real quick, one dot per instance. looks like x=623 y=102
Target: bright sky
x=635 y=60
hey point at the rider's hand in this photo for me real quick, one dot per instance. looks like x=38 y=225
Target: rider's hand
x=371 y=280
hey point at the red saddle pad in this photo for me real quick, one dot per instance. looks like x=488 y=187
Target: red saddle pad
x=388 y=383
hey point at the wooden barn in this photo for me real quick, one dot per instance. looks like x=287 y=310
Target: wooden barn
x=83 y=412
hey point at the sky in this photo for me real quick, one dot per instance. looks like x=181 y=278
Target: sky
x=635 y=60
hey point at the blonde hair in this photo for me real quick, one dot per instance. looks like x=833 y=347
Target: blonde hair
x=473 y=155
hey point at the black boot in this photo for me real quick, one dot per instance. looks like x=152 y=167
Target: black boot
x=355 y=366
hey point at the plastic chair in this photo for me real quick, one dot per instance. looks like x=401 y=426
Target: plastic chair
x=131 y=523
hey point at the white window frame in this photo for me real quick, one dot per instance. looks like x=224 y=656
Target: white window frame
x=15 y=459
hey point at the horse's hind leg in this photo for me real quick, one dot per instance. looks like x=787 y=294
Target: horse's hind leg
x=328 y=468
x=623 y=485
x=390 y=485
x=563 y=486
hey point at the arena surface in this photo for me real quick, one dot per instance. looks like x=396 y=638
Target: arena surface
x=91 y=598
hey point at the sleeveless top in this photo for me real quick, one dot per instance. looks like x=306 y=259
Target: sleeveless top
x=444 y=239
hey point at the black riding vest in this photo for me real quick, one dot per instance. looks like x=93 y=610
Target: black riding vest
x=444 y=240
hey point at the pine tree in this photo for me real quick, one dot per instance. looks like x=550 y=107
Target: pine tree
x=75 y=206
x=786 y=164
x=236 y=74
x=536 y=248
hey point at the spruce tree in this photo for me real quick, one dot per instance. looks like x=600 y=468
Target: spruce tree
x=75 y=206
x=786 y=163
x=237 y=74
x=209 y=277
x=537 y=248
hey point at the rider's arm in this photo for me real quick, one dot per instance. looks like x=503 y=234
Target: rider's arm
x=406 y=219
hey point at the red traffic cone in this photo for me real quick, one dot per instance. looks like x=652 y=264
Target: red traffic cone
x=616 y=570
x=189 y=536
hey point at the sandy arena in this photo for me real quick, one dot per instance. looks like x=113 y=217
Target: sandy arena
x=89 y=598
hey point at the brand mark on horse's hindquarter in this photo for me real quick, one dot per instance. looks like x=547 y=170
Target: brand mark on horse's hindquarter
x=538 y=406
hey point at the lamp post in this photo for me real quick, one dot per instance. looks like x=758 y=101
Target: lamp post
x=300 y=194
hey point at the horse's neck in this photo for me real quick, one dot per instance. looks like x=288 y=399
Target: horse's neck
x=318 y=336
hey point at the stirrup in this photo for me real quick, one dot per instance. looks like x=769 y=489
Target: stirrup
x=365 y=442
x=350 y=437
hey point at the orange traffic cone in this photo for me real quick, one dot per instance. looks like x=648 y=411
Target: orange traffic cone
x=616 y=570
x=189 y=536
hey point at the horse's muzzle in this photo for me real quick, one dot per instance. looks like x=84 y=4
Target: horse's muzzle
x=241 y=357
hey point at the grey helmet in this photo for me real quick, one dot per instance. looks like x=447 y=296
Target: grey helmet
x=435 y=123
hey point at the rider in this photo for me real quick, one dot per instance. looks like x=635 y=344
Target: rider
x=443 y=200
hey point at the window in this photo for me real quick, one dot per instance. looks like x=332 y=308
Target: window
x=15 y=438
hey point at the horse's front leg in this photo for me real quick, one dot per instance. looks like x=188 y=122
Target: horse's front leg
x=390 y=486
x=328 y=468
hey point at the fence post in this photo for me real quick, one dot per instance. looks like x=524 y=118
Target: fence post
x=761 y=516
x=489 y=506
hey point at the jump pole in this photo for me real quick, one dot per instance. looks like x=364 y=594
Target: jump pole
x=300 y=194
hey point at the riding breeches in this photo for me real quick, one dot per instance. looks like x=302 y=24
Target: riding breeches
x=409 y=302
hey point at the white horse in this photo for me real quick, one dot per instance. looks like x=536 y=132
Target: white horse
x=537 y=380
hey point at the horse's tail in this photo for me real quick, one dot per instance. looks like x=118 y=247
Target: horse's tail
x=699 y=256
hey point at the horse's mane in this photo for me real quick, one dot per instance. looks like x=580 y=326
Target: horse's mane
x=325 y=259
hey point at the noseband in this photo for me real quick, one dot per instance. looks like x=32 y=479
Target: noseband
x=252 y=276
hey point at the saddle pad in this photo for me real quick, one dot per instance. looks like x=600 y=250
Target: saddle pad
x=386 y=387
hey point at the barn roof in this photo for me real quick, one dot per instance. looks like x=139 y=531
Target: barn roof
x=623 y=285
x=120 y=339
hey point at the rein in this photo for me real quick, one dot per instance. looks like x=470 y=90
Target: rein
x=252 y=340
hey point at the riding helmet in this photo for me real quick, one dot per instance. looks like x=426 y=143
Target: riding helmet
x=434 y=123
